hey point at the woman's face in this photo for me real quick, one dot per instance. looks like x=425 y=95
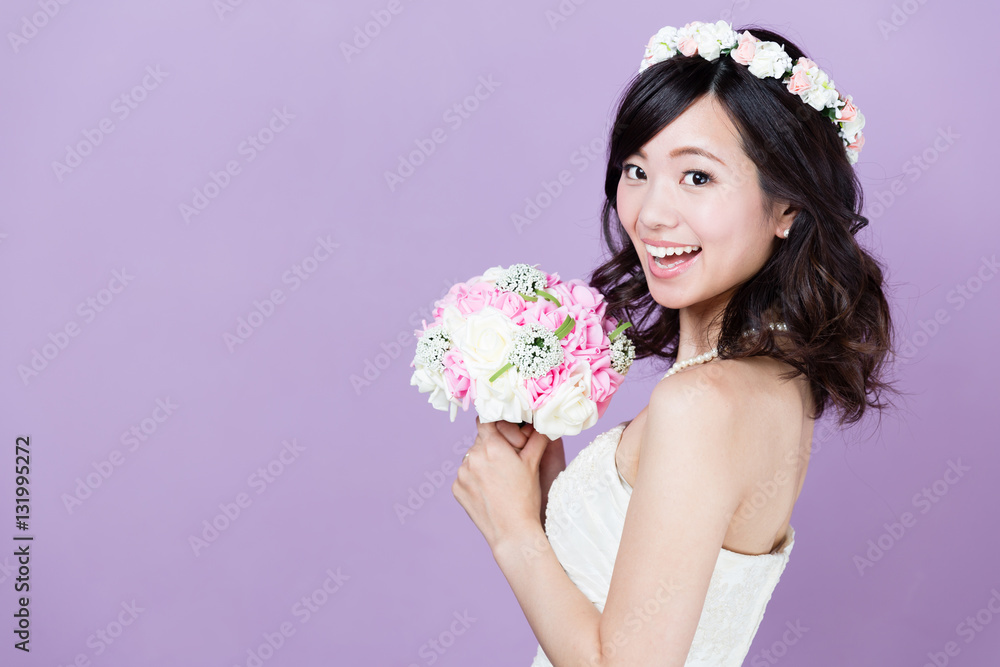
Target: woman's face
x=692 y=185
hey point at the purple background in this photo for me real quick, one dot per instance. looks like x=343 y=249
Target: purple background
x=365 y=448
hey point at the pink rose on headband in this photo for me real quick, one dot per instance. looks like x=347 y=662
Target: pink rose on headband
x=687 y=46
x=859 y=142
x=849 y=112
x=743 y=54
x=799 y=83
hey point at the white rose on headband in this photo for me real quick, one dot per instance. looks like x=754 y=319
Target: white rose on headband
x=713 y=37
x=813 y=85
x=851 y=128
x=823 y=94
x=661 y=46
x=770 y=60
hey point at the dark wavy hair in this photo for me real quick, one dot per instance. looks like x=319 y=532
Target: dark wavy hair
x=819 y=281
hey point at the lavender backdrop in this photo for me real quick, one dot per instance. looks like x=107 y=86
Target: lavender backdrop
x=211 y=286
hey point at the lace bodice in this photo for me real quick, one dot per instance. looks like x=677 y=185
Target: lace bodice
x=584 y=520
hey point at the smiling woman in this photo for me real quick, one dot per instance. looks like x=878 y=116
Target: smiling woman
x=707 y=154
x=731 y=215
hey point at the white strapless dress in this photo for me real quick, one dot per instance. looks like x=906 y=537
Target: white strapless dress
x=584 y=520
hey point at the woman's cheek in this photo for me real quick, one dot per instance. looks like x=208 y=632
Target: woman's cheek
x=625 y=211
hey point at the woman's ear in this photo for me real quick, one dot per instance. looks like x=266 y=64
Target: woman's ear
x=784 y=221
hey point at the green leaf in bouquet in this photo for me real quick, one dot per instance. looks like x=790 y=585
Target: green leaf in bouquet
x=620 y=328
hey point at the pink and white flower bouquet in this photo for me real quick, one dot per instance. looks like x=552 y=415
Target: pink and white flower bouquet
x=523 y=346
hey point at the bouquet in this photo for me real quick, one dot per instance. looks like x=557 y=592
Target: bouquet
x=523 y=346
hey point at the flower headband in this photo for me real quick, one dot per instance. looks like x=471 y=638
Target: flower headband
x=765 y=59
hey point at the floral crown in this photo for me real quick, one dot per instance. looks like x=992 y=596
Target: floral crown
x=765 y=59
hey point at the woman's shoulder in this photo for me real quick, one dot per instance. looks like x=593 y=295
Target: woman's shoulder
x=707 y=393
x=755 y=423
x=749 y=391
x=745 y=379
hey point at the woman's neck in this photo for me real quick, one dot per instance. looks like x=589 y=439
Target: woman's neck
x=699 y=334
x=696 y=337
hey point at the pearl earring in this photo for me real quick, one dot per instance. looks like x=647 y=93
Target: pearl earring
x=786 y=233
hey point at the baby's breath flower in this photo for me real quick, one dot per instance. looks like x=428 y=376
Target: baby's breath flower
x=432 y=346
x=534 y=351
x=522 y=278
x=622 y=354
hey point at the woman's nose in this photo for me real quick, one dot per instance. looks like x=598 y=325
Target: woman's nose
x=658 y=209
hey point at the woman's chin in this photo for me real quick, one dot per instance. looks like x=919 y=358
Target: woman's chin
x=668 y=300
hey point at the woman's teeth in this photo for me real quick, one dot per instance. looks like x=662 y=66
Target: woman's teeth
x=659 y=252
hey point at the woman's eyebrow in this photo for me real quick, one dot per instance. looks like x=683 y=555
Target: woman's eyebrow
x=686 y=150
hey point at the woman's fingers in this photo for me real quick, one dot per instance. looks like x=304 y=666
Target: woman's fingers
x=514 y=434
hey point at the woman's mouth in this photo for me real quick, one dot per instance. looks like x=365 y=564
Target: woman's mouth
x=669 y=262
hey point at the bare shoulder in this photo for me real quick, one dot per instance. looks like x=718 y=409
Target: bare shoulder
x=713 y=389
x=695 y=416
x=740 y=425
x=740 y=406
x=747 y=382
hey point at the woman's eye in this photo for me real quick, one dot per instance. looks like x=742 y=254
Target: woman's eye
x=701 y=176
x=639 y=172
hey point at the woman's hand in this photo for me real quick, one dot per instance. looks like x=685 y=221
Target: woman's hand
x=498 y=482
x=552 y=463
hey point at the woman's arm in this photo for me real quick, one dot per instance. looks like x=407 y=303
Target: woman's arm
x=686 y=491
x=552 y=463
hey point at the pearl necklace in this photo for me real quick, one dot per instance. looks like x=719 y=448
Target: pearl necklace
x=714 y=352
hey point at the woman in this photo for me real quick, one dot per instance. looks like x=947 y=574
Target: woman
x=731 y=211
